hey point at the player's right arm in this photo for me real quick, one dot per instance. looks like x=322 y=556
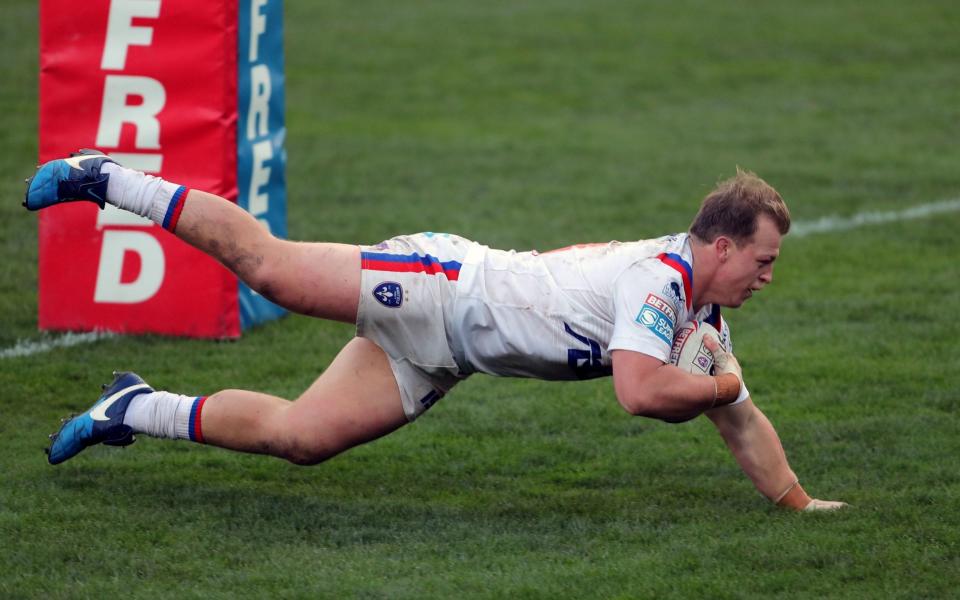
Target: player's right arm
x=645 y=321
x=648 y=387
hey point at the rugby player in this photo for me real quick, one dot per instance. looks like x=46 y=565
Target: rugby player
x=432 y=309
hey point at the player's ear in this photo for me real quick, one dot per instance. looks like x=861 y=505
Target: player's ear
x=723 y=246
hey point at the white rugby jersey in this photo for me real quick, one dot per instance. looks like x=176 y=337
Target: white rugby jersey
x=559 y=314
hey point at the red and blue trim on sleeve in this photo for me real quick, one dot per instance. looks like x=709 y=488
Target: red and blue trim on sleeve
x=175 y=208
x=409 y=263
x=677 y=263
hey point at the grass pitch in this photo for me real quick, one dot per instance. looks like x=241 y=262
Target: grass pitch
x=540 y=124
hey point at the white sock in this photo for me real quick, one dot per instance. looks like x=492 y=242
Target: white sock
x=146 y=195
x=166 y=415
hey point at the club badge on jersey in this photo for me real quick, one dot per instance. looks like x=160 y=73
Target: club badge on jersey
x=389 y=294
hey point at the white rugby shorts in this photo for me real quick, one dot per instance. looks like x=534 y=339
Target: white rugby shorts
x=408 y=288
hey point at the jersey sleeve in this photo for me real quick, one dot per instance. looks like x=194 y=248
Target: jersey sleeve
x=645 y=314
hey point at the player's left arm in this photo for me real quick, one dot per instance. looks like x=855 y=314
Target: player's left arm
x=757 y=448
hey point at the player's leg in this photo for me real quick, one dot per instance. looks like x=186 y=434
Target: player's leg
x=315 y=279
x=354 y=401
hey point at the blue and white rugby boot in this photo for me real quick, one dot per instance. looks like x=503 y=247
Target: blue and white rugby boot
x=68 y=180
x=102 y=424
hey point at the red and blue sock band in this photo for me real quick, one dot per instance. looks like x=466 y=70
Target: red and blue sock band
x=175 y=208
x=196 y=432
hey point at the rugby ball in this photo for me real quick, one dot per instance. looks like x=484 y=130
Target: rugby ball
x=688 y=352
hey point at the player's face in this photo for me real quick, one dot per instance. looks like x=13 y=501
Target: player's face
x=748 y=268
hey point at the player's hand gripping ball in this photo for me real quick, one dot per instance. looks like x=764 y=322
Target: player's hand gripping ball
x=689 y=353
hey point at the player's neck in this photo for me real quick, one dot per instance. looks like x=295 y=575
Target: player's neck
x=705 y=267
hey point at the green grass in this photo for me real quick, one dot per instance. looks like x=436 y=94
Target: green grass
x=539 y=124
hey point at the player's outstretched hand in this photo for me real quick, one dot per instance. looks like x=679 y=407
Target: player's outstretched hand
x=724 y=362
x=824 y=505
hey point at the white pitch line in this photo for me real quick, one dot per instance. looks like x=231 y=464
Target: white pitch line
x=829 y=224
x=31 y=347
x=834 y=223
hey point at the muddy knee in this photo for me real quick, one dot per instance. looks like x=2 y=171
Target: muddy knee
x=303 y=446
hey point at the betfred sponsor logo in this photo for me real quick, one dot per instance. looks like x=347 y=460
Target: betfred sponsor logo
x=662 y=305
x=154 y=84
x=678 y=343
x=131 y=101
x=261 y=158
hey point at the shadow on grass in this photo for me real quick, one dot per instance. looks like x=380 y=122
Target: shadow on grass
x=362 y=501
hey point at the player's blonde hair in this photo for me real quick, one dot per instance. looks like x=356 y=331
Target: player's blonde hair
x=732 y=208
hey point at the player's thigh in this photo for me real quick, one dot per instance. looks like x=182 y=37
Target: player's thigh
x=355 y=400
x=319 y=279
